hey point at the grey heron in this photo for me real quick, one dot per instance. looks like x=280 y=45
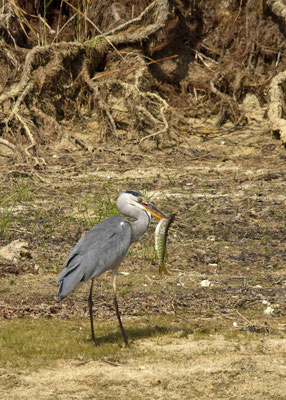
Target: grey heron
x=105 y=246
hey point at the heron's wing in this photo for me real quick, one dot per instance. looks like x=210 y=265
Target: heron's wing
x=100 y=249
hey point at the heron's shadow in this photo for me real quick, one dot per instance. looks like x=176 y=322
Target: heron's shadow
x=134 y=334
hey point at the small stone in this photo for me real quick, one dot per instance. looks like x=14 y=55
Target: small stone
x=36 y=268
x=14 y=250
x=205 y=283
x=269 y=310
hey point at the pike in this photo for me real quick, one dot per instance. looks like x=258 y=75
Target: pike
x=161 y=234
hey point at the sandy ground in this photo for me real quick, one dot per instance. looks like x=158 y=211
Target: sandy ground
x=167 y=367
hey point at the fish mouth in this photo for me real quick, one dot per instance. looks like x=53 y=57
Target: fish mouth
x=152 y=209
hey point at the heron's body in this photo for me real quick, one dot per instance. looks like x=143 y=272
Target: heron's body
x=100 y=249
x=105 y=246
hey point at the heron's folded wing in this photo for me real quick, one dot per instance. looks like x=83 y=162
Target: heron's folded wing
x=100 y=249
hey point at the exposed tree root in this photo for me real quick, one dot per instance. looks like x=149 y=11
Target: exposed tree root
x=227 y=102
x=162 y=106
x=152 y=19
x=56 y=83
x=223 y=53
x=277 y=106
x=277 y=7
x=8 y=144
x=277 y=88
x=52 y=81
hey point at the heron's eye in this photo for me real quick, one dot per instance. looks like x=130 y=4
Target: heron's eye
x=141 y=200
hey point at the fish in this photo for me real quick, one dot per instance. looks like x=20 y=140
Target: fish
x=161 y=234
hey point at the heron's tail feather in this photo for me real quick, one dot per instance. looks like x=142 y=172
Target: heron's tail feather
x=69 y=279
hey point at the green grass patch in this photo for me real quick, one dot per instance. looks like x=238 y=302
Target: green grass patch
x=22 y=191
x=32 y=344
x=11 y=201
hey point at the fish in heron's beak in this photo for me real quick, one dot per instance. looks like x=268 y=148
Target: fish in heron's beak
x=152 y=209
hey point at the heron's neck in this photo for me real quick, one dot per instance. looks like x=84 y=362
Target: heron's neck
x=140 y=225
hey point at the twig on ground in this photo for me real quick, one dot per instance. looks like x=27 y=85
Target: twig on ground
x=245 y=319
x=114 y=129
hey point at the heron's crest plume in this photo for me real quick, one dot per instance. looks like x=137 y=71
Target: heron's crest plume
x=137 y=194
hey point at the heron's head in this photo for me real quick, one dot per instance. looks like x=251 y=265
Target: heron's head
x=136 y=199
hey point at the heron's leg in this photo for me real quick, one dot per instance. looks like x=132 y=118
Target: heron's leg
x=117 y=310
x=90 y=303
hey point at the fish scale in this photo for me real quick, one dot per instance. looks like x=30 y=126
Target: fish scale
x=161 y=234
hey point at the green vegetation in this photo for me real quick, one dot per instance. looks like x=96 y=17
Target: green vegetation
x=35 y=343
x=84 y=210
x=31 y=344
x=12 y=201
x=22 y=191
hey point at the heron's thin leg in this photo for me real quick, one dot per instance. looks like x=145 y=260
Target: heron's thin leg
x=90 y=303
x=117 y=310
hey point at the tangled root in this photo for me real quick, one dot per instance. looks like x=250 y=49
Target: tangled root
x=55 y=85
x=48 y=88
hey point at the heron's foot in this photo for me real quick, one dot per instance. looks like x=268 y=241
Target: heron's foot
x=94 y=342
x=125 y=338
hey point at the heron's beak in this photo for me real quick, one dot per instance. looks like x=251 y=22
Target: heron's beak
x=152 y=209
